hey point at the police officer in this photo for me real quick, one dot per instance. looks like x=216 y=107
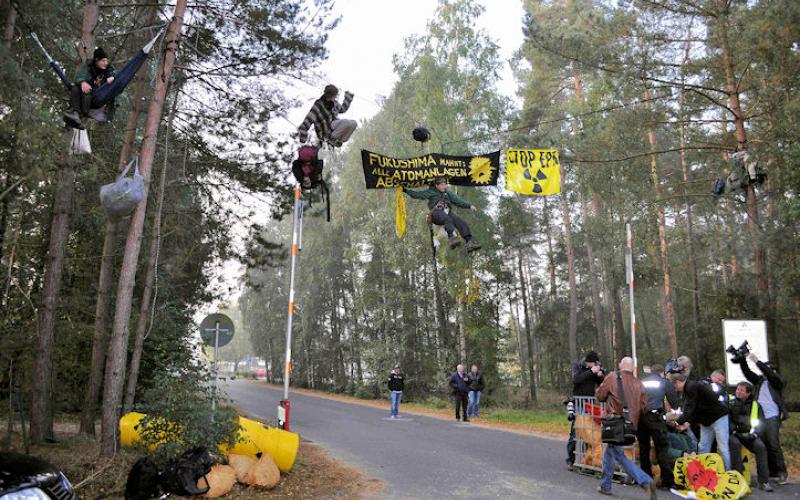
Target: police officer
x=746 y=422
x=652 y=424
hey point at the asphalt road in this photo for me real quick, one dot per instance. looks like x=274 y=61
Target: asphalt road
x=425 y=457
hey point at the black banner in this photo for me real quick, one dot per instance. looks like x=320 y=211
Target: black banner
x=384 y=172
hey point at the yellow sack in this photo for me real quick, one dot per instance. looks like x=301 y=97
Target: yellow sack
x=705 y=475
x=399 y=212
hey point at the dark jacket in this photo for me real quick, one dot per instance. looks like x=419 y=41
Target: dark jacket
x=476 y=381
x=776 y=384
x=658 y=388
x=635 y=395
x=93 y=75
x=701 y=404
x=458 y=384
x=584 y=380
x=434 y=197
x=396 y=381
x=740 y=416
x=321 y=115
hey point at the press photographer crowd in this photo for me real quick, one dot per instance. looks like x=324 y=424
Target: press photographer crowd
x=682 y=413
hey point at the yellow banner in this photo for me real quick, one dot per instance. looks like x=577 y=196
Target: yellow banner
x=533 y=171
x=705 y=476
x=400 y=212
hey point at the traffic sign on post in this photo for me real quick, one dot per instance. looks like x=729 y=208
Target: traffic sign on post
x=216 y=323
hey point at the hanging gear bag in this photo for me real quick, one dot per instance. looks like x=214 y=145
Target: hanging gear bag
x=123 y=195
x=618 y=430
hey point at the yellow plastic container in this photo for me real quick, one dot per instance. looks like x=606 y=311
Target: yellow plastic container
x=256 y=438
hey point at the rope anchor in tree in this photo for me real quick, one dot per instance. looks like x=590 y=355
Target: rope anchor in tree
x=97 y=83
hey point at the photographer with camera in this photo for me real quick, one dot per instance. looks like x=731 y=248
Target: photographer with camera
x=768 y=393
x=702 y=406
x=746 y=425
x=586 y=376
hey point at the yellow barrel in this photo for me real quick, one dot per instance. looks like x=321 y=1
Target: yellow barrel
x=254 y=436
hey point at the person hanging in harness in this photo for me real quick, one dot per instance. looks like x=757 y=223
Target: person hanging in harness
x=324 y=116
x=307 y=168
x=440 y=202
x=93 y=73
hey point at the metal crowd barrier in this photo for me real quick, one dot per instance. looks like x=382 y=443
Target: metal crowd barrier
x=589 y=447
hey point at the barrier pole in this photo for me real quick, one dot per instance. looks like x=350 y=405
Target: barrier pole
x=283 y=408
x=629 y=272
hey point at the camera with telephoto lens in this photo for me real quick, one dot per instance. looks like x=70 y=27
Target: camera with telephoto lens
x=570 y=404
x=739 y=354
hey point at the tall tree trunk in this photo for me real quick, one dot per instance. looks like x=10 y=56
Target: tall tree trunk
x=517 y=331
x=551 y=259
x=699 y=347
x=596 y=303
x=441 y=317
x=115 y=364
x=42 y=367
x=573 y=294
x=669 y=314
x=759 y=254
x=150 y=277
x=525 y=312
x=10 y=24
x=106 y=277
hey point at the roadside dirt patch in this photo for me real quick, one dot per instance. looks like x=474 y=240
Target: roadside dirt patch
x=314 y=475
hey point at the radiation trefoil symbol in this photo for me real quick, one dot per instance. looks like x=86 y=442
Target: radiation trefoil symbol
x=527 y=173
x=480 y=170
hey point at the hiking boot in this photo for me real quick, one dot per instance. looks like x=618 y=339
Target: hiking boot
x=465 y=420
x=766 y=487
x=455 y=241
x=783 y=478
x=473 y=245
x=73 y=119
x=604 y=492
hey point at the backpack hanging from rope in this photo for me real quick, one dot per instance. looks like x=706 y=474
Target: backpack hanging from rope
x=122 y=196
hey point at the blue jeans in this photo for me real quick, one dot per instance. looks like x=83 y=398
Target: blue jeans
x=614 y=454
x=474 y=401
x=718 y=431
x=396 y=397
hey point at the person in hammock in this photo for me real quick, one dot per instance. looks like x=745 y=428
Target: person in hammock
x=95 y=72
x=324 y=116
x=440 y=202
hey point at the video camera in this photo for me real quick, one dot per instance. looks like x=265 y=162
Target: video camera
x=739 y=354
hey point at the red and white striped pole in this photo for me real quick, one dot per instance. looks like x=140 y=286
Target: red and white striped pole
x=284 y=407
x=629 y=274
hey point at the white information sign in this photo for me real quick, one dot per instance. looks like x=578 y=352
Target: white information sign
x=735 y=332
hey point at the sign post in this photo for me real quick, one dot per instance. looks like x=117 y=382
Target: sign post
x=629 y=275
x=297 y=231
x=217 y=330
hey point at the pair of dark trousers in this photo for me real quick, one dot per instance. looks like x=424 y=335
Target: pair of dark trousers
x=451 y=222
x=571 y=444
x=78 y=101
x=651 y=425
x=461 y=404
x=757 y=447
x=772 y=438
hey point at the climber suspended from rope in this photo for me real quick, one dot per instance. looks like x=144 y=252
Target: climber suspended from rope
x=97 y=83
x=440 y=201
x=324 y=116
x=307 y=169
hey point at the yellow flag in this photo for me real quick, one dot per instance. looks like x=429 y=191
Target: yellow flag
x=399 y=212
x=706 y=477
x=533 y=171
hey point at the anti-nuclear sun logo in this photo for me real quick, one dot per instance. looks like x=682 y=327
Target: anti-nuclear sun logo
x=535 y=178
x=480 y=170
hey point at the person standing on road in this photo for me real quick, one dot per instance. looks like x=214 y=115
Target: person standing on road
x=747 y=422
x=636 y=402
x=586 y=376
x=769 y=394
x=459 y=383
x=476 y=385
x=652 y=425
x=396 y=384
